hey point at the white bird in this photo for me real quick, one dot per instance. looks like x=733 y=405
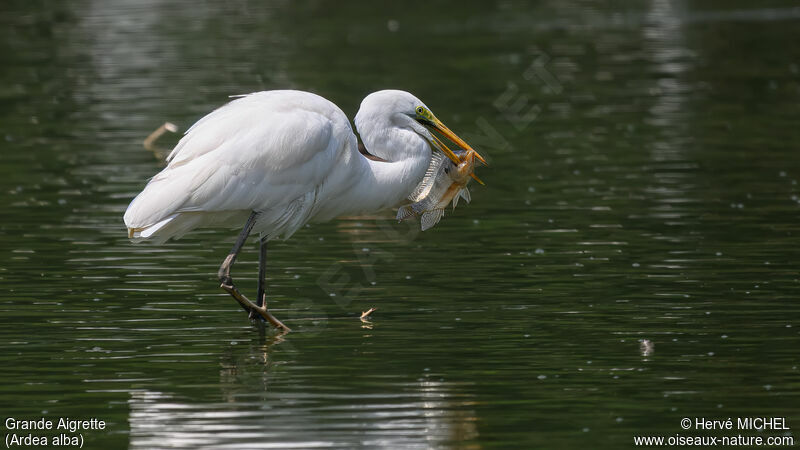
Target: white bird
x=276 y=160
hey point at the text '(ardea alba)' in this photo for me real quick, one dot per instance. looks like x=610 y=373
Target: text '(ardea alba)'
x=276 y=160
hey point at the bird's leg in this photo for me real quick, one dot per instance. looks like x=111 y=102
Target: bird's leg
x=261 y=298
x=226 y=281
x=225 y=269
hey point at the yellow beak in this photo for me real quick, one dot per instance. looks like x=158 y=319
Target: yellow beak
x=440 y=145
x=441 y=128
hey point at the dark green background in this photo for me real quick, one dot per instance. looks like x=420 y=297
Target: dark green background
x=653 y=196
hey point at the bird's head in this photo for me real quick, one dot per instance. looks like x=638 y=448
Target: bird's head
x=404 y=110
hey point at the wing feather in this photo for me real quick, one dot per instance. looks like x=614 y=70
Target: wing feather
x=267 y=152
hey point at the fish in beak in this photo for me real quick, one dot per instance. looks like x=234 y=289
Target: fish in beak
x=435 y=124
x=441 y=146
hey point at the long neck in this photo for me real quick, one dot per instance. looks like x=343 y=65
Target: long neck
x=376 y=185
x=359 y=185
x=386 y=184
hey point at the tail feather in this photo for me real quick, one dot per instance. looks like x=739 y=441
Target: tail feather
x=153 y=211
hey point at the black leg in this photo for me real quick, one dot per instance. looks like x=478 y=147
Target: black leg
x=225 y=269
x=226 y=281
x=261 y=299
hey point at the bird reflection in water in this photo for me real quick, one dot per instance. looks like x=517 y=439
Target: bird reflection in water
x=256 y=406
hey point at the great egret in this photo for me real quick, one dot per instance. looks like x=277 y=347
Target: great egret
x=276 y=160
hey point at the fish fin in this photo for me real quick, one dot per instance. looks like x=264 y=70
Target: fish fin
x=431 y=218
x=404 y=212
x=465 y=195
x=424 y=187
x=422 y=206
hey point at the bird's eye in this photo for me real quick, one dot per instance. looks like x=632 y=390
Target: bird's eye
x=420 y=110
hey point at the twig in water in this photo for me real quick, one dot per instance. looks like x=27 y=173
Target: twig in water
x=365 y=314
x=149 y=141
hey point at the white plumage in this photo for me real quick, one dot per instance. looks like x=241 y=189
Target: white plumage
x=286 y=158
x=290 y=155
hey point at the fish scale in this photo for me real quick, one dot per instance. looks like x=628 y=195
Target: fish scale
x=444 y=182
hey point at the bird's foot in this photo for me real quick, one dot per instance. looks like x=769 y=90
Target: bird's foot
x=254 y=311
x=261 y=313
x=253 y=315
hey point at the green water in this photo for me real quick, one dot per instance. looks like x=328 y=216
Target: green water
x=643 y=186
